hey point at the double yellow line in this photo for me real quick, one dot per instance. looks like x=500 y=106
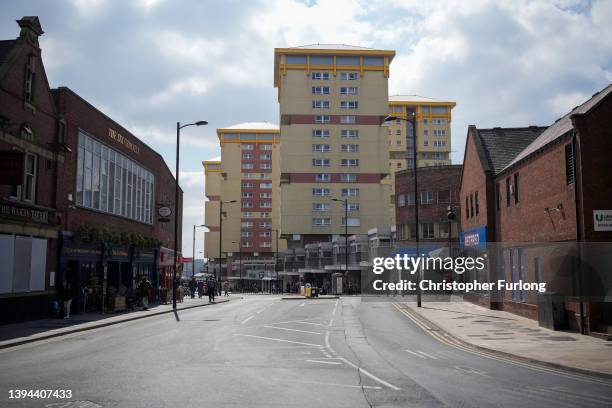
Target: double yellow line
x=451 y=342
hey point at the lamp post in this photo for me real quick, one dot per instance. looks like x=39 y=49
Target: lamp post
x=416 y=188
x=346 y=257
x=239 y=261
x=276 y=254
x=193 y=248
x=450 y=214
x=221 y=202
x=176 y=199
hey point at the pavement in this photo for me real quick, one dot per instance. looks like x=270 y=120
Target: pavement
x=262 y=351
x=35 y=330
x=512 y=335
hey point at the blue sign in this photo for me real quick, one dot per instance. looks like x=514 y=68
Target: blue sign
x=476 y=238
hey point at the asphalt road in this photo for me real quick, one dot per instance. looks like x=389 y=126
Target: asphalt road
x=263 y=351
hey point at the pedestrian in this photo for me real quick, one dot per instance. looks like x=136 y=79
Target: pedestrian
x=66 y=293
x=226 y=288
x=211 y=290
x=192 y=286
x=144 y=287
x=200 y=289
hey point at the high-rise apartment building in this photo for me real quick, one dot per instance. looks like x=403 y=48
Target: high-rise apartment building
x=333 y=101
x=433 y=120
x=246 y=181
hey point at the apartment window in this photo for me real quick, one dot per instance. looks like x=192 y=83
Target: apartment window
x=322 y=119
x=428 y=230
x=266 y=244
x=265 y=147
x=349 y=148
x=247 y=146
x=347 y=119
x=350 y=192
x=266 y=156
x=265 y=176
x=426 y=132
x=353 y=206
x=352 y=222
x=401 y=200
x=247 y=166
x=321 y=222
x=425 y=143
x=348 y=178
x=247 y=195
x=497 y=197
x=246 y=234
x=508 y=192
x=246 y=224
x=246 y=185
x=426 y=197
x=110 y=182
x=476 y=202
x=320 y=162
x=321 y=148
x=320 y=104
x=247 y=215
x=569 y=164
x=516 y=188
x=265 y=185
x=321 y=192
x=410 y=198
x=265 y=195
x=324 y=76
x=320 y=207
x=320 y=90
x=471 y=205
x=265 y=234
x=348 y=90
x=247 y=156
x=247 y=175
x=349 y=133
x=323 y=177
x=320 y=133
x=265 y=166
x=349 y=162
x=349 y=76
x=30 y=78
x=247 y=204
x=246 y=244
x=349 y=105
x=398 y=132
x=265 y=204
x=29 y=182
x=265 y=224
x=264 y=214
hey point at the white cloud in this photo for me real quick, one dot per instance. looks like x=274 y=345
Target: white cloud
x=196 y=85
x=89 y=8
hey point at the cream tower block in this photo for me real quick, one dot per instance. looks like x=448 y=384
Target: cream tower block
x=333 y=101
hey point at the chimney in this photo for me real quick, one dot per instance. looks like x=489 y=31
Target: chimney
x=30 y=29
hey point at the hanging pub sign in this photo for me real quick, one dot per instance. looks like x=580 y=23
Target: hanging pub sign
x=164 y=214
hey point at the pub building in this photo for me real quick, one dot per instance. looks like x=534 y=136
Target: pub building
x=79 y=195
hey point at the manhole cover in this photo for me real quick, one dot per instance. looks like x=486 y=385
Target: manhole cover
x=73 y=404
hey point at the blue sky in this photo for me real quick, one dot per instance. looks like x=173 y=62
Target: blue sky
x=151 y=63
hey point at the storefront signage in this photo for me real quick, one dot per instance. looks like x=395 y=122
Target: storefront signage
x=602 y=220
x=475 y=238
x=119 y=138
x=24 y=213
x=164 y=212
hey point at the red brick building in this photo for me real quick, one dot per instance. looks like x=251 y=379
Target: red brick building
x=79 y=194
x=535 y=192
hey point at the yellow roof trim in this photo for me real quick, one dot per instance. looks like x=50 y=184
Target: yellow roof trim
x=226 y=130
x=333 y=51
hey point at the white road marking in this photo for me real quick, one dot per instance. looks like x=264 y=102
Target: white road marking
x=293 y=330
x=247 y=319
x=303 y=304
x=281 y=340
x=367 y=387
x=335 y=307
x=427 y=355
x=415 y=354
x=324 y=362
x=301 y=322
x=361 y=370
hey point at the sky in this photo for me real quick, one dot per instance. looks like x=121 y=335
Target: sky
x=150 y=63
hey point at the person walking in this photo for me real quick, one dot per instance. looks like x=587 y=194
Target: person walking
x=192 y=286
x=143 y=292
x=200 y=289
x=226 y=288
x=211 y=290
x=66 y=293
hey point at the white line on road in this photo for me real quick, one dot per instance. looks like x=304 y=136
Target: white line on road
x=335 y=307
x=303 y=304
x=367 y=387
x=281 y=340
x=416 y=354
x=293 y=330
x=427 y=355
x=361 y=370
x=324 y=362
x=300 y=322
x=247 y=319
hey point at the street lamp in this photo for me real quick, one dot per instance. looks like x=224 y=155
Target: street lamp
x=239 y=261
x=416 y=188
x=450 y=214
x=193 y=248
x=176 y=199
x=346 y=257
x=221 y=202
